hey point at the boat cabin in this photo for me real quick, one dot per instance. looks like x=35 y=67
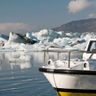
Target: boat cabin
x=91 y=49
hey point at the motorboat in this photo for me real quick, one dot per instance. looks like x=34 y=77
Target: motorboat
x=72 y=76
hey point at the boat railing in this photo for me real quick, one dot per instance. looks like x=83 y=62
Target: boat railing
x=69 y=52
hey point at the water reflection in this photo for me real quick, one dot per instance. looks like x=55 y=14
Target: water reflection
x=19 y=75
x=19 y=60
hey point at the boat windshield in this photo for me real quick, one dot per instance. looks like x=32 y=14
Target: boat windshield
x=92 y=46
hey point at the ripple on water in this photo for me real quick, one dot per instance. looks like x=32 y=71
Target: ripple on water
x=23 y=82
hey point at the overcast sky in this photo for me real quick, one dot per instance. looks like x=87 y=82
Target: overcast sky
x=32 y=15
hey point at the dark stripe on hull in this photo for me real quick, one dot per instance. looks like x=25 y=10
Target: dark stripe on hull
x=75 y=90
x=65 y=71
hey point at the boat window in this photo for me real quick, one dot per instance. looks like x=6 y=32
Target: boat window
x=92 y=46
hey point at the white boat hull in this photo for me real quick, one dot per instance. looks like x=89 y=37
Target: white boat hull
x=72 y=81
x=69 y=82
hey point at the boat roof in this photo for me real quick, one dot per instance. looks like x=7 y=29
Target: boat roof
x=92 y=39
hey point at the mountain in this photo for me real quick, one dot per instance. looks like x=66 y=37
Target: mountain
x=87 y=25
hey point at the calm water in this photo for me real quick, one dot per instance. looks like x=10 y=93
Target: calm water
x=19 y=75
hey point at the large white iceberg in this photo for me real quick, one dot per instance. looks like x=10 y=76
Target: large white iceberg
x=46 y=38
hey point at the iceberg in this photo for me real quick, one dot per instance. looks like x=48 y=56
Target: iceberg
x=31 y=37
x=3 y=39
x=44 y=39
x=18 y=38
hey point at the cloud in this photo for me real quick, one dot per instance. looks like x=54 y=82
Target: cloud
x=14 y=27
x=78 y=5
x=92 y=15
